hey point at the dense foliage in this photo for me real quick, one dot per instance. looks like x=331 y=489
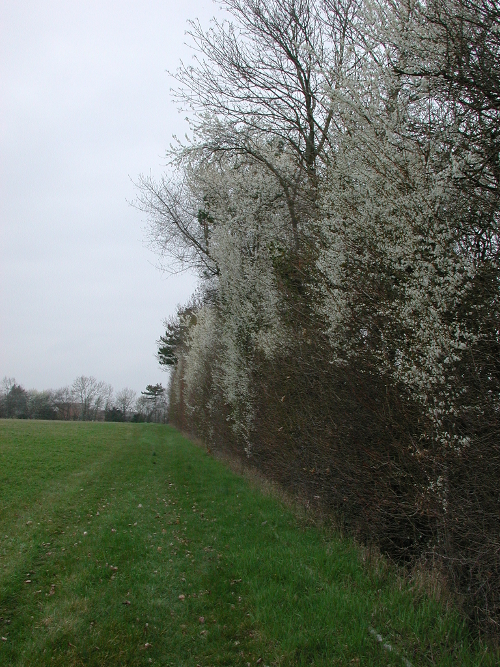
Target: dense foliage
x=339 y=199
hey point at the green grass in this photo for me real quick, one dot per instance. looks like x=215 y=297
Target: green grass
x=78 y=500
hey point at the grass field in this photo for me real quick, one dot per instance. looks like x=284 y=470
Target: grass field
x=125 y=544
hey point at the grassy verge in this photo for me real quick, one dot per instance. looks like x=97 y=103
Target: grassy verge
x=125 y=544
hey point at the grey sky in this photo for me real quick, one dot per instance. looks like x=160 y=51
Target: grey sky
x=84 y=105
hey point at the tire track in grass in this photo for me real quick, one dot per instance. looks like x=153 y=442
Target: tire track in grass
x=183 y=563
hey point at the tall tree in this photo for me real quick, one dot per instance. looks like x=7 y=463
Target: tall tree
x=16 y=402
x=125 y=400
x=260 y=91
x=91 y=395
x=154 y=395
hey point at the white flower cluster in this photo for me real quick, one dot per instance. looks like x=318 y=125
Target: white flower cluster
x=327 y=134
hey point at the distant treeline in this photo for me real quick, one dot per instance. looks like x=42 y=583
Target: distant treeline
x=86 y=399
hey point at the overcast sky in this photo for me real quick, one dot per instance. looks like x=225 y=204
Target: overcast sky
x=85 y=107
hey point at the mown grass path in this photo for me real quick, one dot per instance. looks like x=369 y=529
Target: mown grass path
x=125 y=544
